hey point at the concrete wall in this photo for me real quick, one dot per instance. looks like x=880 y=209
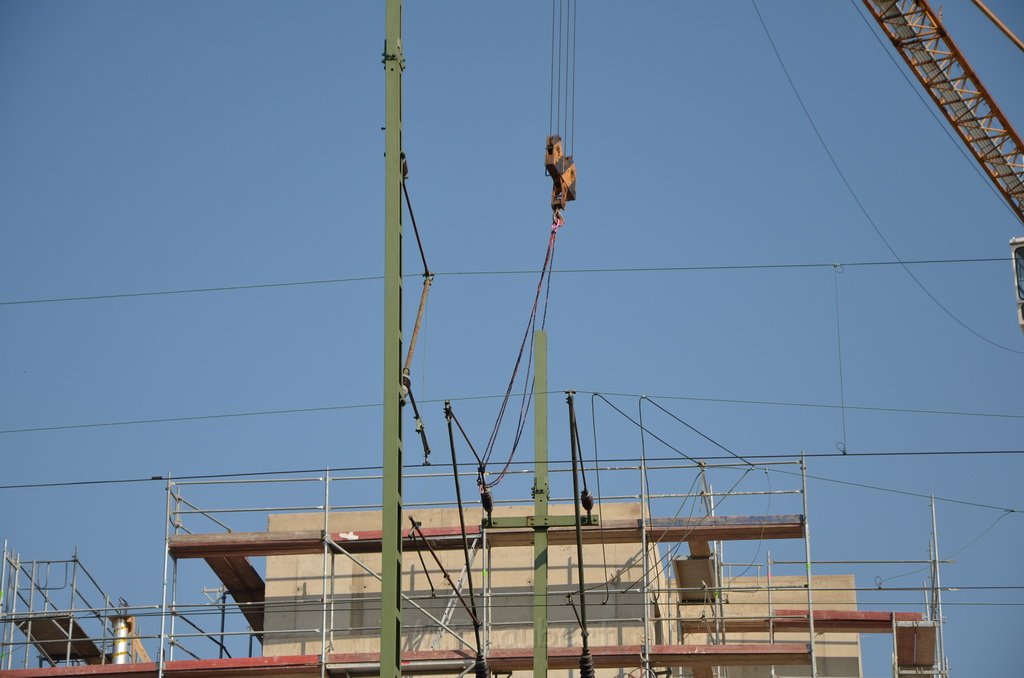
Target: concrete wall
x=295 y=586
x=838 y=654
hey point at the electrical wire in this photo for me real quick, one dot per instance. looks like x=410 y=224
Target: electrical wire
x=695 y=430
x=830 y=455
x=836 y=270
x=356 y=406
x=495 y=273
x=860 y=204
x=881 y=580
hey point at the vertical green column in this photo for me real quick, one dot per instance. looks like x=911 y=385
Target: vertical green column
x=391 y=514
x=540 y=506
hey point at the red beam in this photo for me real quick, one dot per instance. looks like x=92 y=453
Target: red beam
x=698 y=529
x=441 y=661
x=825 y=621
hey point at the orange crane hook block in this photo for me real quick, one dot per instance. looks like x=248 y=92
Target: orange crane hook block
x=562 y=171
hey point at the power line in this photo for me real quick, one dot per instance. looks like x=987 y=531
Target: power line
x=191 y=290
x=835 y=455
x=331 y=408
x=497 y=273
x=782 y=403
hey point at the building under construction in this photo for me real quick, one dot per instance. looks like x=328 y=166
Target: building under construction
x=550 y=577
x=303 y=597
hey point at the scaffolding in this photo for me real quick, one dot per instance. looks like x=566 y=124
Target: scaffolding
x=63 y=615
x=688 y=613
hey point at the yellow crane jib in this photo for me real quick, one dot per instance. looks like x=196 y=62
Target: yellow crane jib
x=562 y=171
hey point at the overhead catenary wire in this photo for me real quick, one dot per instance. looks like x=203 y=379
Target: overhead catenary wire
x=841 y=446
x=495 y=273
x=296 y=471
x=358 y=406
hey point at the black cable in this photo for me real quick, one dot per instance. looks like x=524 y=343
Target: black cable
x=465 y=541
x=420 y=428
x=414 y=535
x=791 y=455
x=551 y=86
x=450 y=412
x=527 y=392
x=412 y=217
x=857 y=200
x=572 y=124
x=695 y=430
x=836 y=270
x=833 y=455
x=586 y=661
x=597 y=473
x=642 y=430
x=567 y=271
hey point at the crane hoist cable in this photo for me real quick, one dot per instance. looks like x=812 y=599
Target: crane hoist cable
x=559 y=165
x=428 y=280
x=560 y=142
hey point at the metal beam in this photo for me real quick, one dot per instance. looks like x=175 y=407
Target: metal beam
x=541 y=493
x=444 y=662
x=391 y=514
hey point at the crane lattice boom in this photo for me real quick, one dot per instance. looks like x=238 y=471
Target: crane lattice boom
x=918 y=35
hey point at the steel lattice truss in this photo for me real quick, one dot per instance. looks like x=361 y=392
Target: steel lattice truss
x=918 y=35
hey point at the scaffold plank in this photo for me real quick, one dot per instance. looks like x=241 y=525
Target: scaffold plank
x=245 y=585
x=440 y=662
x=671 y=530
x=915 y=644
x=825 y=621
x=60 y=637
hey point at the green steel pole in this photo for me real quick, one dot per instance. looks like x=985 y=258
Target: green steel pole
x=391 y=514
x=540 y=505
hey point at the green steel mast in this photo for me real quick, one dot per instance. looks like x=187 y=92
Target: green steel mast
x=391 y=514
x=540 y=505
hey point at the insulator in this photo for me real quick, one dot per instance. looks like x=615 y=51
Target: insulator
x=480 y=669
x=587 y=500
x=487 y=500
x=586 y=665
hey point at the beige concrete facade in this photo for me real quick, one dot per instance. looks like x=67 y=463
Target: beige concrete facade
x=747 y=599
x=295 y=585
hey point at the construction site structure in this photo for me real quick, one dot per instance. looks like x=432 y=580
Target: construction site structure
x=917 y=33
x=322 y=588
x=315 y=608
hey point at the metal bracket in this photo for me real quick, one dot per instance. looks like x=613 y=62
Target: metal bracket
x=592 y=520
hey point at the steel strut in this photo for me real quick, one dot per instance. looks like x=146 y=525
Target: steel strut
x=480 y=669
x=586 y=659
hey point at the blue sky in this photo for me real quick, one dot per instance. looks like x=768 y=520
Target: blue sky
x=155 y=147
